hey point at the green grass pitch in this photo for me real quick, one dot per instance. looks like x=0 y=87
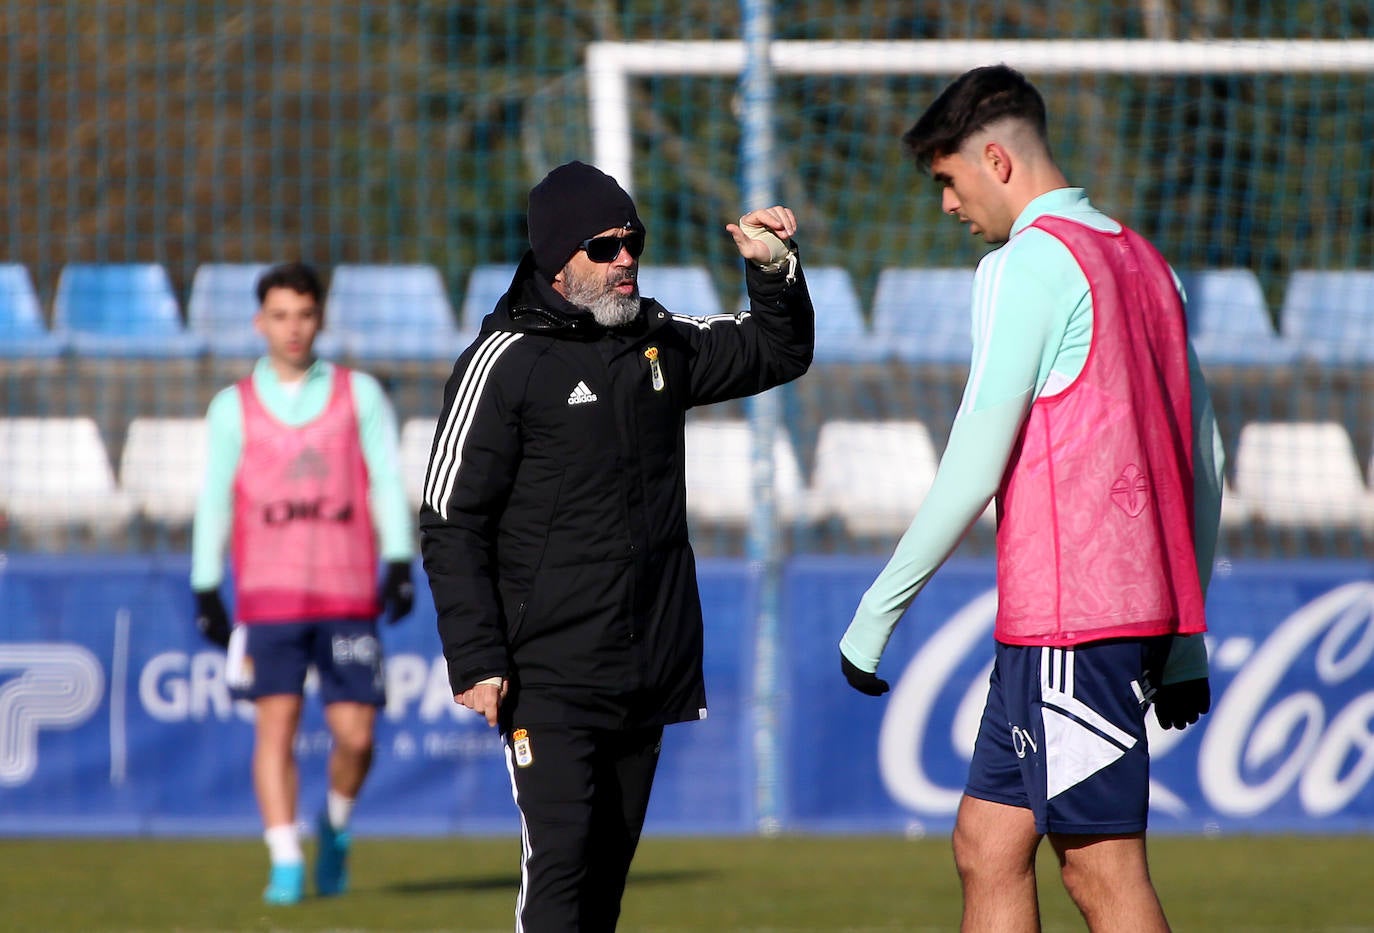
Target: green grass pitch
x=787 y=884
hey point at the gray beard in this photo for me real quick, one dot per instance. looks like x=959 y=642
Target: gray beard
x=609 y=309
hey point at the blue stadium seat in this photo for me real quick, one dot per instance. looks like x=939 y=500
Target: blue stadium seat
x=222 y=305
x=681 y=289
x=487 y=283
x=121 y=310
x=1228 y=320
x=22 y=331
x=842 y=336
x=393 y=312
x=922 y=315
x=1330 y=314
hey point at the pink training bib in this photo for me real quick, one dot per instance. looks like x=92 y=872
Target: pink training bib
x=1095 y=531
x=303 y=542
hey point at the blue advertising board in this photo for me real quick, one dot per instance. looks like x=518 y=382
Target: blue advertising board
x=115 y=716
x=1288 y=745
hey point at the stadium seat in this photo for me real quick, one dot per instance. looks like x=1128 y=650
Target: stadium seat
x=1293 y=474
x=417 y=436
x=486 y=285
x=55 y=472
x=842 y=335
x=1330 y=315
x=923 y=315
x=162 y=466
x=873 y=475
x=121 y=310
x=22 y=330
x=681 y=289
x=222 y=304
x=393 y=312
x=719 y=472
x=1228 y=320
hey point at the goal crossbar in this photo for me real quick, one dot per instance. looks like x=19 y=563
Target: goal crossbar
x=610 y=65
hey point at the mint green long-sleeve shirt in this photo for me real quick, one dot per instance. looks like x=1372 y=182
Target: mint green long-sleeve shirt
x=296 y=404
x=1032 y=326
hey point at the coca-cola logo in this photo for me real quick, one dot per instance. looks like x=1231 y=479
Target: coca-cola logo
x=910 y=716
x=1260 y=743
x=1291 y=719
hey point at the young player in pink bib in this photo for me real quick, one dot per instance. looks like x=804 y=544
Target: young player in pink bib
x=303 y=483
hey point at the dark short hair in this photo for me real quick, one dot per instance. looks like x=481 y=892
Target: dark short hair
x=977 y=99
x=300 y=277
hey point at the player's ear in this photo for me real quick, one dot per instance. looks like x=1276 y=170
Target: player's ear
x=997 y=160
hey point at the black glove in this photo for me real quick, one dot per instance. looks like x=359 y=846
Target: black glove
x=211 y=618
x=862 y=681
x=397 y=595
x=1178 y=705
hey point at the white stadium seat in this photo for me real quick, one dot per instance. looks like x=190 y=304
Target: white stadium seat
x=56 y=472
x=163 y=465
x=1234 y=510
x=417 y=435
x=873 y=475
x=1302 y=473
x=719 y=468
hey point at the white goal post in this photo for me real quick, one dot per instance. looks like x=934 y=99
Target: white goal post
x=610 y=66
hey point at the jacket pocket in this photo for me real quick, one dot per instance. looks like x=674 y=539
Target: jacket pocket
x=517 y=623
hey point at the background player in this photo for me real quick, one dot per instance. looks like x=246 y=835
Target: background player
x=303 y=476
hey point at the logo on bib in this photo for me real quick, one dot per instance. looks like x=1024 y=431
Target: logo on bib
x=1131 y=491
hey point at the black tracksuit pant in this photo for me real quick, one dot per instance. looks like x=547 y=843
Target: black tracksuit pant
x=582 y=794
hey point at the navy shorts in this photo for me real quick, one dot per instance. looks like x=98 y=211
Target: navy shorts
x=1063 y=734
x=273 y=658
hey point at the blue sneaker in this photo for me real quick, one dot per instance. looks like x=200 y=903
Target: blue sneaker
x=331 y=859
x=286 y=884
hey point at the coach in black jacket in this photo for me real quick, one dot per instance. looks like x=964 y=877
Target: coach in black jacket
x=554 y=526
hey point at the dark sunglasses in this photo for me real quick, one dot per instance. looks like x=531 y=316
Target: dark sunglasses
x=606 y=248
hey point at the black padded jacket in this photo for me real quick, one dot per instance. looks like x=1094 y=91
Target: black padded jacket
x=553 y=525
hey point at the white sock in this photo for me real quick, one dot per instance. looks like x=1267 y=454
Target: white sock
x=283 y=845
x=339 y=808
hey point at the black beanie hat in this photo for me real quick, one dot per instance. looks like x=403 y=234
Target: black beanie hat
x=573 y=202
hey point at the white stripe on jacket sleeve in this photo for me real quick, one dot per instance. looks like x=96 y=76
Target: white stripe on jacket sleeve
x=442 y=475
